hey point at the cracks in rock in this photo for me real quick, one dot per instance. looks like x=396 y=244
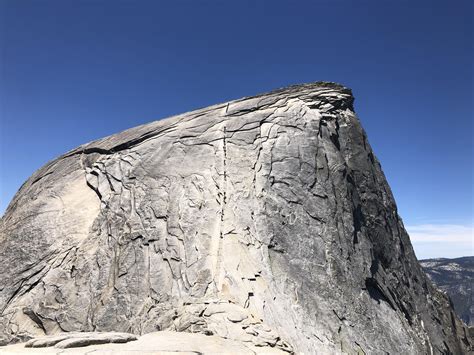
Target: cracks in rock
x=125 y=145
x=398 y=301
x=253 y=125
x=258 y=139
x=35 y=318
x=194 y=144
x=40 y=177
x=274 y=246
x=341 y=318
x=331 y=101
x=316 y=218
x=224 y=147
x=66 y=254
x=91 y=185
x=335 y=137
x=114 y=184
x=247 y=301
x=23 y=287
x=223 y=202
x=358 y=220
x=376 y=292
x=247 y=110
x=46 y=258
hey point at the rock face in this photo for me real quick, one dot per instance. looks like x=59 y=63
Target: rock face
x=456 y=278
x=265 y=220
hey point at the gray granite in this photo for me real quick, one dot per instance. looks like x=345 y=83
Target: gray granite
x=156 y=343
x=266 y=221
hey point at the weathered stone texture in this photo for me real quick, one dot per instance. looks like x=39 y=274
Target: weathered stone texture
x=266 y=220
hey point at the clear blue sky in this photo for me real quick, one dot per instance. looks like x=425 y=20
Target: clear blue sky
x=75 y=71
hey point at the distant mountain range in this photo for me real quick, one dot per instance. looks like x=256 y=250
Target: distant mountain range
x=455 y=277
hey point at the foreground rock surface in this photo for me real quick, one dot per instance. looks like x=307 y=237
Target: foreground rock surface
x=157 y=343
x=265 y=220
x=77 y=339
x=456 y=278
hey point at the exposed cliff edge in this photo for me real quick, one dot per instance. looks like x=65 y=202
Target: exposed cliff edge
x=265 y=220
x=456 y=278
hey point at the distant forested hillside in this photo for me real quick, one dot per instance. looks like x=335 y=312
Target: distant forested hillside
x=455 y=277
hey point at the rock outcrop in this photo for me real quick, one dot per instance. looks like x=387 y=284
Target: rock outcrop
x=265 y=220
x=456 y=278
x=79 y=339
x=156 y=343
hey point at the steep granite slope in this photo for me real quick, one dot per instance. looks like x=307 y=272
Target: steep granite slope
x=456 y=278
x=265 y=220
